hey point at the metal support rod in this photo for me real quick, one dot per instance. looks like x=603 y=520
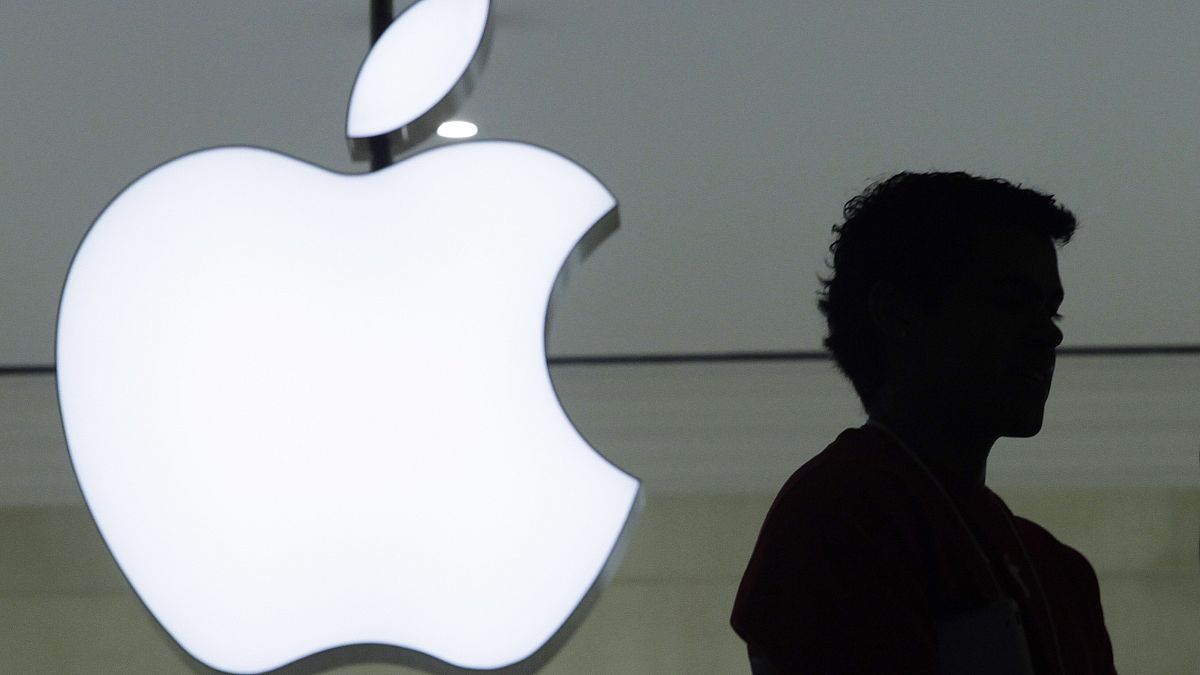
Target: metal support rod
x=381 y=17
x=382 y=14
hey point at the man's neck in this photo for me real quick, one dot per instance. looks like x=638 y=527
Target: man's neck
x=957 y=461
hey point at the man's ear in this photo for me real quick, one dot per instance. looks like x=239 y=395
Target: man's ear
x=891 y=310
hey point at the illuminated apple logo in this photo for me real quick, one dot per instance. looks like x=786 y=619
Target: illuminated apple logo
x=310 y=410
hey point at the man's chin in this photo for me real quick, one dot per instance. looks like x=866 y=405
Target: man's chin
x=1027 y=428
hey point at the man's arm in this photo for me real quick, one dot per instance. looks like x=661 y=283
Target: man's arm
x=836 y=593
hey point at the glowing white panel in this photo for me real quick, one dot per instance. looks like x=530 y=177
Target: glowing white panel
x=309 y=409
x=457 y=129
x=416 y=62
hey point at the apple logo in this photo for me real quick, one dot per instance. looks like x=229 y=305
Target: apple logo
x=311 y=411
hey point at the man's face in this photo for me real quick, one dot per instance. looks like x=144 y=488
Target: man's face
x=998 y=325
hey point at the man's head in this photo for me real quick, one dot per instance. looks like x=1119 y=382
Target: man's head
x=945 y=288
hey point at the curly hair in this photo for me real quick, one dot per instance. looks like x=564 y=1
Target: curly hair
x=916 y=231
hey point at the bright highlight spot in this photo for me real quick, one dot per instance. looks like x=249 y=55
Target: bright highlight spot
x=457 y=129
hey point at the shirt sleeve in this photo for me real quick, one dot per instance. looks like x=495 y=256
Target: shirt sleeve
x=1073 y=594
x=1087 y=590
x=839 y=592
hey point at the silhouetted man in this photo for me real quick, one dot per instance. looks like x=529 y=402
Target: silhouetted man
x=887 y=553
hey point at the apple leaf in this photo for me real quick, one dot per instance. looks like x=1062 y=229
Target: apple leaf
x=418 y=72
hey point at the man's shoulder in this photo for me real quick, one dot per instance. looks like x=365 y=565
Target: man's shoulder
x=855 y=464
x=1048 y=549
x=855 y=475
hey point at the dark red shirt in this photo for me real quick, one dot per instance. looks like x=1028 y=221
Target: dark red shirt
x=862 y=554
